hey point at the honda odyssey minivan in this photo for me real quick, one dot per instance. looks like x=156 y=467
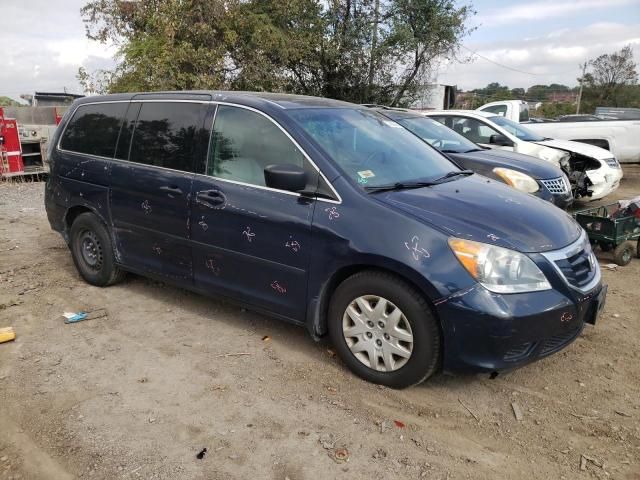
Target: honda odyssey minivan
x=327 y=215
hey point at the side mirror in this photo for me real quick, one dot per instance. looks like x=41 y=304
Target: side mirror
x=500 y=140
x=285 y=176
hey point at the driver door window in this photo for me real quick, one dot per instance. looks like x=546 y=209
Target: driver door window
x=474 y=130
x=243 y=143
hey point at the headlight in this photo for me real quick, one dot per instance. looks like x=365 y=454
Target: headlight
x=499 y=269
x=612 y=162
x=518 y=180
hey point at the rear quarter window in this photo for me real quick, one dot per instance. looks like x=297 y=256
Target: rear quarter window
x=93 y=129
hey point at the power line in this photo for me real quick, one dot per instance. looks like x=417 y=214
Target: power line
x=499 y=64
x=474 y=52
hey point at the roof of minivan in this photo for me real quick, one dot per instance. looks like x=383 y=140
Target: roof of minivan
x=282 y=100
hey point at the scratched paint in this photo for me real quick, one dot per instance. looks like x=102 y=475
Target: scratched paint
x=203 y=224
x=157 y=249
x=458 y=294
x=493 y=237
x=333 y=213
x=509 y=200
x=248 y=234
x=292 y=244
x=278 y=288
x=566 y=316
x=417 y=252
x=146 y=206
x=210 y=264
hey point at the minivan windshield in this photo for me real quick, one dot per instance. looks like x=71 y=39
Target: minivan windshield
x=516 y=129
x=371 y=149
x=437 y=135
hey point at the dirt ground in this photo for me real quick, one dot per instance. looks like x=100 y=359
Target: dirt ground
x=139 y=393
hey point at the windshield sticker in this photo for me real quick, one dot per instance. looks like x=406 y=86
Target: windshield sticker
x=392 y=124
x=362 y=181
x=366 y=174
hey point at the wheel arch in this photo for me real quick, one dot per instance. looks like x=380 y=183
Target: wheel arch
x=76 y=210
x=319 y=304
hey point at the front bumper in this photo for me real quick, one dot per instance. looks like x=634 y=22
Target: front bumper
x=605 y=180
x=487 y=332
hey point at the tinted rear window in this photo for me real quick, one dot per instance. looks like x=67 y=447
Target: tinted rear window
x=166 y=134
x=94 y=129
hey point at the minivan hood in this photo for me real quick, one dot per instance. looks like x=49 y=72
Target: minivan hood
x=535 y=167
x=578 y=147
x=483 y=210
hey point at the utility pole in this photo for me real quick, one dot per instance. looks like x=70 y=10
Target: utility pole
x=584 y=70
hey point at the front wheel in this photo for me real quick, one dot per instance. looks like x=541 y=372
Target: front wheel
x=92 y=251
x=384 y=330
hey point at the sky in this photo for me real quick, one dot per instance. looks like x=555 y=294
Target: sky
x=540 y=41
x=533 y=41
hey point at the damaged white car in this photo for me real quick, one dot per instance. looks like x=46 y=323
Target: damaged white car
x=592 y=171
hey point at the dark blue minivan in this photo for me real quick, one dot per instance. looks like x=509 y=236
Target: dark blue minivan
x=325 y=214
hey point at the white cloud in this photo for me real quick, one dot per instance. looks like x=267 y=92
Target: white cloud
x=567 y=53
x=44 y=44
x=544 y=9
x=74 y=51
x=552 y=58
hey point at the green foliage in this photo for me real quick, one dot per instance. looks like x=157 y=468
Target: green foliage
x=8 y=102
x=611 y=81
x=372 y=51
x=554 y=109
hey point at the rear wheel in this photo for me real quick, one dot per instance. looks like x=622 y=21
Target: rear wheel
x=623 y=253
x=384 y=330
x=92 y=251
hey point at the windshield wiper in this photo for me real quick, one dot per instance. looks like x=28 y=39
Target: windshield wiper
x=397 y=186
x=452 y=174
x=473 y=150
x=451 y=151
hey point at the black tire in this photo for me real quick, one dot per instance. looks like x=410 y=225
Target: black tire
x=606 y=247
x=638 y=248
x=425 y=356
x=92 y=251
x=623 y=253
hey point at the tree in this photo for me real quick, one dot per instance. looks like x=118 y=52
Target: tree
x=163 y=44
x=8 y=102
x=609 y=75
x=371 y=51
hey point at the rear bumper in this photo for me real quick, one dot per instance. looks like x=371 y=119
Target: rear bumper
x=487 y=332
x=55 y=211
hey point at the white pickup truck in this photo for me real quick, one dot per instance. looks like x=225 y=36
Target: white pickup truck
x=620 y=137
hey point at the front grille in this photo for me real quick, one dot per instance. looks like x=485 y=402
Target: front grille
x=579 y=269
x=556 y=185
x=518 y=352
x=555 y=343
